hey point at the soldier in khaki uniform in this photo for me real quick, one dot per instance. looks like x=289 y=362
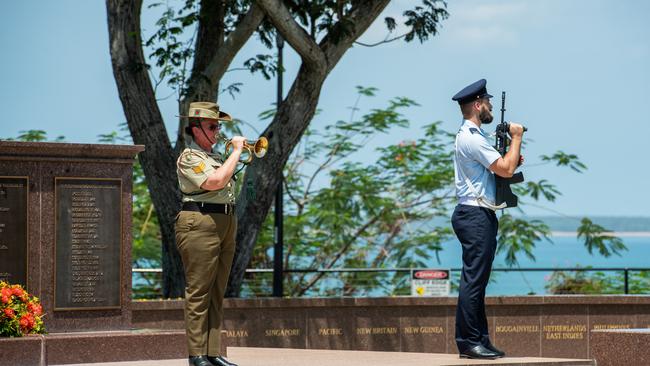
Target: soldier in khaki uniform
x=205 y=230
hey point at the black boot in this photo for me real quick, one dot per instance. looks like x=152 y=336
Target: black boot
x=220 y=361
x=479 y=352
x=499 y=352
x=199 y=361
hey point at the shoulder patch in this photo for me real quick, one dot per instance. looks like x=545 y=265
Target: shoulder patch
x=474 y=130
x=199 y=168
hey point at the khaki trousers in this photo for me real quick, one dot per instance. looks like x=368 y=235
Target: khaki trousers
x=206 y=243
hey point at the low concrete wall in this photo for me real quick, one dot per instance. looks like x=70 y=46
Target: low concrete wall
x=90 y=347
x=616 y=347
x=534 y=326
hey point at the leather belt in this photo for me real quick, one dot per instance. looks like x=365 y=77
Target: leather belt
x=204 y=207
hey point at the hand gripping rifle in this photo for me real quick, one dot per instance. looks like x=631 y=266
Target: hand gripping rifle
x=503 y=191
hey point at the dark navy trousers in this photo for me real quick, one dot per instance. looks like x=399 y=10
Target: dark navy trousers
x=476 y=229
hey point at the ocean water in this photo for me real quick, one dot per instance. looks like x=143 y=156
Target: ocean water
x=564 y=252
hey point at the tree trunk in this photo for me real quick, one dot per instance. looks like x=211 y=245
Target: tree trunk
x=209 y=39
x=147 y=128
x=283 y=133
x=290 y=122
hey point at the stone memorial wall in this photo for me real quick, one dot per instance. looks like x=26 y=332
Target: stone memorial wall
x=65 y=218
x=532 y=326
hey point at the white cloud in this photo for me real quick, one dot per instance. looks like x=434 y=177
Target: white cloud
x=500 y=11
x=489 y=22
x=481 y=35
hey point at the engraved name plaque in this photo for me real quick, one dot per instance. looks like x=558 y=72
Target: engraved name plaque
x=88 y=243
x=13 y=229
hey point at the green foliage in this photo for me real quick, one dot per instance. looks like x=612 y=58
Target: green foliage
x=639 y=282
x=170 y=52
x=581 y=282
x=588 y=282
x=517 y=235
x=520 y=236
x=146 y=251
x=34 y=136
x=597 y=237
x=538 y=189
x=171 y=46
x=423 y=21
x=265 y=64
x=563 y=159
x=376 y=215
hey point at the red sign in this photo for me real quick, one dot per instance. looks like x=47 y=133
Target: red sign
x=430 y=275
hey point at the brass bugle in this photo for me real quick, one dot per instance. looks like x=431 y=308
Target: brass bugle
x=257 y=148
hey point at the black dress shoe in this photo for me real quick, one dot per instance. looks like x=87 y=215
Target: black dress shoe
x=479 y=352
x=220 y=361
x=199 y=361
x=499 y=352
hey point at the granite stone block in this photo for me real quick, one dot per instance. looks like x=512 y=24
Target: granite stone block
x=565 y=331
x=603 y=317
x=424 y=329
x=518 y=330
x=114 y=346
x=272 y=327
x=376 y=329
x=23 y=351
x=620 y=347
x=331 y=328
x=642 y=313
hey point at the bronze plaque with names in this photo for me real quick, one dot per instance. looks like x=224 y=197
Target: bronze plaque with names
x=88 y=243
x=13 y=229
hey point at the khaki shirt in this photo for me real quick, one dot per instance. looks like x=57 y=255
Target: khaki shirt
x=193 y=168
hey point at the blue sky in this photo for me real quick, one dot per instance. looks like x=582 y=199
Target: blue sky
x=576 y=73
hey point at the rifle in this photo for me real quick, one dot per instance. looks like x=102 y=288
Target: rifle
x=503 y=191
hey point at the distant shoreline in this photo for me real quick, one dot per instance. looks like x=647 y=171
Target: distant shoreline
x=622 y=234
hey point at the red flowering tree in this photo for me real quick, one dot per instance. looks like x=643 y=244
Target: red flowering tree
x=20 y=312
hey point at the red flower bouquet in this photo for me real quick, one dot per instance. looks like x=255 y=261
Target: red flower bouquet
x=20 y=312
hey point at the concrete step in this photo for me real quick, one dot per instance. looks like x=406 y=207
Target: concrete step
x=245 y=356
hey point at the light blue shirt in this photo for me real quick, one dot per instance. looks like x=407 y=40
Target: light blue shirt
x=473 y=158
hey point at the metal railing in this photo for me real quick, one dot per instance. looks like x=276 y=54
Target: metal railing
x=624 y=270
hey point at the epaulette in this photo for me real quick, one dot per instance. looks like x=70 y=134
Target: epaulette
x=187 y=153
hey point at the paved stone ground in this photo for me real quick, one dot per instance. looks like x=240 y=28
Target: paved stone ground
x=298 y=357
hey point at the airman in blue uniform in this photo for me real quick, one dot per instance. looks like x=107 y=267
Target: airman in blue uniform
x=474 y=220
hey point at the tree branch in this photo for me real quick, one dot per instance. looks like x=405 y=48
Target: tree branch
x=394 y=230
x=210 y=34
x=203 y=84
x=361 y=17
x=387 y=40
x=342 y=251
x=235 y=41
x=297 y=37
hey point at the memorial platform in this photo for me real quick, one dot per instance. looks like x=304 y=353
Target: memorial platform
x=245 y=356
